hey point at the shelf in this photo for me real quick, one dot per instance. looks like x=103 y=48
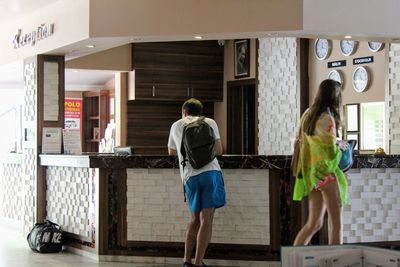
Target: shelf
x=94 y=118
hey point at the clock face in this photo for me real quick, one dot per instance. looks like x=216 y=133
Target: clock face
x=322 y=48
x=375 y=46
x=336 y=76
x=360 y=79
x=348 y=47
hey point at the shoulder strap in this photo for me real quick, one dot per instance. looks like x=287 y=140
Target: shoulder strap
x=183 y=150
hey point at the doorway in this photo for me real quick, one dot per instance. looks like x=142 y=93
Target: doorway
x=241 y=117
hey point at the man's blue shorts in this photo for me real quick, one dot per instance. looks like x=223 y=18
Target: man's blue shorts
x=205 y=190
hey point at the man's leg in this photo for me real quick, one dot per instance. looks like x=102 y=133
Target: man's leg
x=191 y=235
x=204 y=234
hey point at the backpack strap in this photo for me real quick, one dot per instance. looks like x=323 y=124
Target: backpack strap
x=183 y=150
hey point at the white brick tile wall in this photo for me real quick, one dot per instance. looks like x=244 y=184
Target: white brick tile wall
x=392 y=99
x=11 y=184
x=278 y=110
x=156 y=210
x=69 y=199
x=29 y=161
x=373 y=212
x=50 y=72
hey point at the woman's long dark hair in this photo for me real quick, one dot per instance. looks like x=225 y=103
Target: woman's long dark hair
x=328 y=99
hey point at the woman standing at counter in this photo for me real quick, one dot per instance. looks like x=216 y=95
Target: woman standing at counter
x=317 y=173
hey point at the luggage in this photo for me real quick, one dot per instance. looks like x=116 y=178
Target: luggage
x=45 y=237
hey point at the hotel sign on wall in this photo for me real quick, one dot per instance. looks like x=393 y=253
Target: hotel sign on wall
x=41 y=32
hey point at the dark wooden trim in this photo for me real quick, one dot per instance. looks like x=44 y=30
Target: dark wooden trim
x=102 y=243
x=214 y=251
x=257 y=82
x=241 y=82
x=274 y=213
x=80 y=246
x=304 y=80
x=41 y=173
x=78 y=237
x=121 y=177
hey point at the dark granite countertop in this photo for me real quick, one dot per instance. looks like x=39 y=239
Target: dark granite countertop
x=376 y=161
x=112 y=161
x=96 y=160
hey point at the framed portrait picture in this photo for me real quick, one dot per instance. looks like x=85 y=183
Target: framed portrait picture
x=242 y=58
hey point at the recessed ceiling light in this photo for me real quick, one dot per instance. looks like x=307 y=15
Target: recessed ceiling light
x=348 y=37
x=91 y=46
x=198 y=37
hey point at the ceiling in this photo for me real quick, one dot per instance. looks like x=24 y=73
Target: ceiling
x=12 y=9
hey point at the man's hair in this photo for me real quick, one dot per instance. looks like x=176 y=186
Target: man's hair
x=193 y=107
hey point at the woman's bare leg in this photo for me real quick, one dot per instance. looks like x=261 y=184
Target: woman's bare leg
x=331 y=197
x=316 y=211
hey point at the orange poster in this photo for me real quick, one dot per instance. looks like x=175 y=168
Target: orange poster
x=73 y=113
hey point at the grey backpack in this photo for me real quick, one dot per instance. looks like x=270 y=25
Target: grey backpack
x=198 y=143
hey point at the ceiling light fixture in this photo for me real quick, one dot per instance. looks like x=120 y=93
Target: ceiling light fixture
x=348 y=37
x=198 y=37
x=91 y=46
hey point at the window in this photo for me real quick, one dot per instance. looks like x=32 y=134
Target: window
x=372 y=125
x=11 y=119
x=365 y=122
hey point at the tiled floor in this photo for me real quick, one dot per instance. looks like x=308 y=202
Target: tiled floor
x=15 y=252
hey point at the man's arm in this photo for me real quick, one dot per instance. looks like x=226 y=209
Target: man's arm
x=172 y=152
x=218 y=147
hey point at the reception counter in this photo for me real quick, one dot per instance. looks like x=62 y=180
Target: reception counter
x=134 y=206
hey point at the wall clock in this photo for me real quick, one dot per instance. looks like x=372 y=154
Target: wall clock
x=336 y=75
x=376 y=46
x=348 y=47
x=322 y=48
x=361 y=79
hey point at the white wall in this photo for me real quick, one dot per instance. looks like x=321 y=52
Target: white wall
x=342 y=17
x=71 y=24
x=279 y=103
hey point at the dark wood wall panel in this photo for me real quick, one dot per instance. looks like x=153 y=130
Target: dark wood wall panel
x=149 y=123
x=178 y=70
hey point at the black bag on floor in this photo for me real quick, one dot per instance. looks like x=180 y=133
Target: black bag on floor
x=45 y=237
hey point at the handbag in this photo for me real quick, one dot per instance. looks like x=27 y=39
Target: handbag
x=346 y=161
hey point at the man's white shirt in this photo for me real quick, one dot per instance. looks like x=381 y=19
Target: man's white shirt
x=175 y=141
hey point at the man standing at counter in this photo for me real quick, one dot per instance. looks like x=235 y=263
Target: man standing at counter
x=204 y=187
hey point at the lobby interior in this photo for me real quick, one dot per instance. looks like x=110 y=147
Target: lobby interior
x=128 y=65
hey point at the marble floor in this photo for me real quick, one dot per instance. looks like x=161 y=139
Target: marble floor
x=15 y=252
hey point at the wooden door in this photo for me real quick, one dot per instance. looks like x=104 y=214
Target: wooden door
x=241 y=123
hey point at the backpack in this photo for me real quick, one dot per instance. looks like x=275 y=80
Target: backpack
x=198 y=144
x=45 y=237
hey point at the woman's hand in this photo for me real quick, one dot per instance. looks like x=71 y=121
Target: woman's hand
x=342 y=144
